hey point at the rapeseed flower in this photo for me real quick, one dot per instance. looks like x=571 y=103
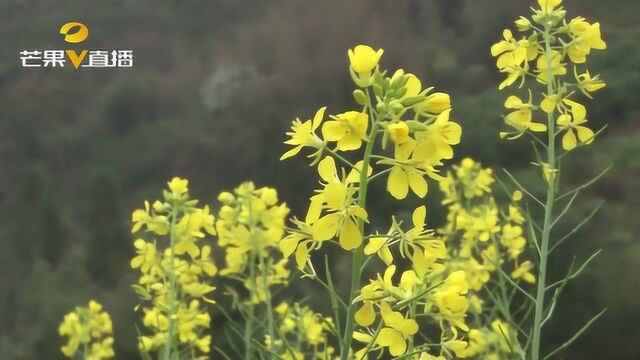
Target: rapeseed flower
x=573 y=124
x=89 y=331
x=174 y=271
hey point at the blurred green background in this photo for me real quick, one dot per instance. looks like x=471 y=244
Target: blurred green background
x=214 y=87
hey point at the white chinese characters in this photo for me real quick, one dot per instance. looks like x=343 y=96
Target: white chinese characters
x=86 y=59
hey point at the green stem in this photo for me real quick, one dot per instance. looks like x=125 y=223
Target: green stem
x=267 y=292
x=358 y=254
x=248 y=325
x=412 y=315
x=548 y=211
x=168 y=345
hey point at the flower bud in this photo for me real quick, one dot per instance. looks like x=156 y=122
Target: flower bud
x=436 y=103
x=226 y=197
x=269 y=196
x=360 y=97
x=523 y=24
x=399 y=132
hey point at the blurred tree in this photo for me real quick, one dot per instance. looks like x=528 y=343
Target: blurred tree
x=108 y=242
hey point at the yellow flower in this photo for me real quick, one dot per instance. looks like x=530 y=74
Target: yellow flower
x=88 y=327
x=513 y=56
x=550 y=102
x=399 y=132
x=304 y=134
x=347 y=129
x=588 y=84
x=513 y=239
x=434 y=144
x=556 y=65
x=178 y=186
x=521 y=118
x=509 y=51
x=549 y=5
x=396 y=331
x=585 y=37
x=435 y=103
x=451 y=300
x=517 y=195
x=379 y=245
x=337 y=199
x=574 y=124
x=404 y=174
x=147 y=256
x=523 y=272
x=459 y=347
x=364 y=59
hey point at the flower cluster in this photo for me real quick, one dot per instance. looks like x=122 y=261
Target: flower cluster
x=395 y=109
x=303 y=334
x=405 y=132
x=250 y=227
x=482 y=237
x=176 y=269
x=389 y=312
x=549 y=45
x=486 y=242
x=89 y=332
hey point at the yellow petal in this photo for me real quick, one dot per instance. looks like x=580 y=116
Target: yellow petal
x=537 y=127
x=569 y=141
x=362 y=337
x=288 y=245
x=366 y=315
x=351 y=141
x=350 y=237
x=333 y=131
x=291 y=152
x=418 y=184
x=374 y=245
x=393 y=340
x=358 y=212
x=578 y=111
x=302 y=254
x=315 y=207
x=327 y=169
x=386 y=256
x=413 y=86
x=326 y=227
x=548 y=104
x=317 y=119
x=585 y=134
x=398 y=183
x=419 y=215
x=513 y=102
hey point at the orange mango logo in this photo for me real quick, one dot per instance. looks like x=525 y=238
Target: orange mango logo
x=80 y=34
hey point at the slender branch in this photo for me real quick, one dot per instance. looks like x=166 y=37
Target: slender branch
x=334 y=299
x=340 y=157
x=575 y=274
x=374 y=176
x=577 y=227
x=566 y=208
x=567 y=343
x=522 y=188
x=587 y=184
